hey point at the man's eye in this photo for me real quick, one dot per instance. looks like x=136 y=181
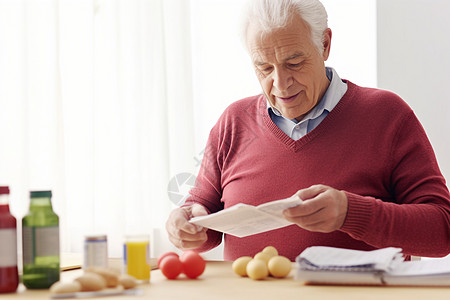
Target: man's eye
x=294 y=65
x=266 y=69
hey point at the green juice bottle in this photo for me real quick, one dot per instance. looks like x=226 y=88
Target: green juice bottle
x=40 y=237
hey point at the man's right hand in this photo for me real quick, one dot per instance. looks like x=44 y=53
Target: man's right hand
x=183 y=234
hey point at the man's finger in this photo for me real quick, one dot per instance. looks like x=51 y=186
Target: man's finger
x=304 y=209
x=186 y=240
x=182 y=216
x=311 y=192
x=184 y=235
x=198 y=210
x=190 y=228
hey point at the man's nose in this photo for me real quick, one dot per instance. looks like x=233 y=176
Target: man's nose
x=282 y=79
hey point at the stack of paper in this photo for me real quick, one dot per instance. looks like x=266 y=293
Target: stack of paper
x=328 y=265
x=328 y=258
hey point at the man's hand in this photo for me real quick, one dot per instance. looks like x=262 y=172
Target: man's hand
x=183 y=234
x=323 y=209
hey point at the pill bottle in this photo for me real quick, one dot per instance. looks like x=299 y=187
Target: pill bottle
x=95 y=251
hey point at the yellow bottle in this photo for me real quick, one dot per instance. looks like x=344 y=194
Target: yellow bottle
x=136 y=257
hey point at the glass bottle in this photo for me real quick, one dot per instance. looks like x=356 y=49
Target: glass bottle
x=9 y=276
x=40 y=236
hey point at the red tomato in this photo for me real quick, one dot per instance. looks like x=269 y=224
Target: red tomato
x=193 y=264
x=164 y=255
x=170 y=266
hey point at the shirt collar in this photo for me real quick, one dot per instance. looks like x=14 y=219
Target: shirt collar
x=330 y=99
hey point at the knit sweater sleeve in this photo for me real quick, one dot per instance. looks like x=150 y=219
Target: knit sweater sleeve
x=207 y=190
x=418 y=220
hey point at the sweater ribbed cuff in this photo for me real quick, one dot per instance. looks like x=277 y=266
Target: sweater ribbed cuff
x=359 y=216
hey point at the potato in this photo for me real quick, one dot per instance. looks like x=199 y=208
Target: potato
x=60 y=287
x=91 y=282
x=127 y=281
x=279 y=266
x=257 y=269
x=240 y=265
x=262 y=256
x=115 y=271
x=270 y=250
x=111 y=276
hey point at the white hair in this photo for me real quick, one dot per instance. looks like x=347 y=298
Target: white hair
x=275 y=14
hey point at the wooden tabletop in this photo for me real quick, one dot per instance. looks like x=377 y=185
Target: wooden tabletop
x=219 y=282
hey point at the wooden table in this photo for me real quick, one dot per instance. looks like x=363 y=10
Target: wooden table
x=219 y=282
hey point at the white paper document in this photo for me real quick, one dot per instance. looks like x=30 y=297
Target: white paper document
x=243 y=220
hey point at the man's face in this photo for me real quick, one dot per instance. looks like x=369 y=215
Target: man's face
x=289 y=67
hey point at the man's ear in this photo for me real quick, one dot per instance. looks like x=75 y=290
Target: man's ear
x=326 y=43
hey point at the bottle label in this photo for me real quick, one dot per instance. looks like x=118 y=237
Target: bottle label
x=95 y=253
x=40 y=241
x=8 y=247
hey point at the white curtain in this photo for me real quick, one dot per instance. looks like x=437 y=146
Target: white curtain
x=96 y=105
x=107 y=101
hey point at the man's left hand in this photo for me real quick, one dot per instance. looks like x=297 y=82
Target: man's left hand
x=323 y=209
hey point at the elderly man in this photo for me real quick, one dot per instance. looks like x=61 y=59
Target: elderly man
x=358 y=157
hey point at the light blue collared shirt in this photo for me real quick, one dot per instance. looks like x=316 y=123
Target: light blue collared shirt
x=294 y=129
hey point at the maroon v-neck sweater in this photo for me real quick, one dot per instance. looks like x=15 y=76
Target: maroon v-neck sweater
x=371 y=146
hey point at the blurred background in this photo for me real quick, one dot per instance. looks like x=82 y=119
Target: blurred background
x=109 y=103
